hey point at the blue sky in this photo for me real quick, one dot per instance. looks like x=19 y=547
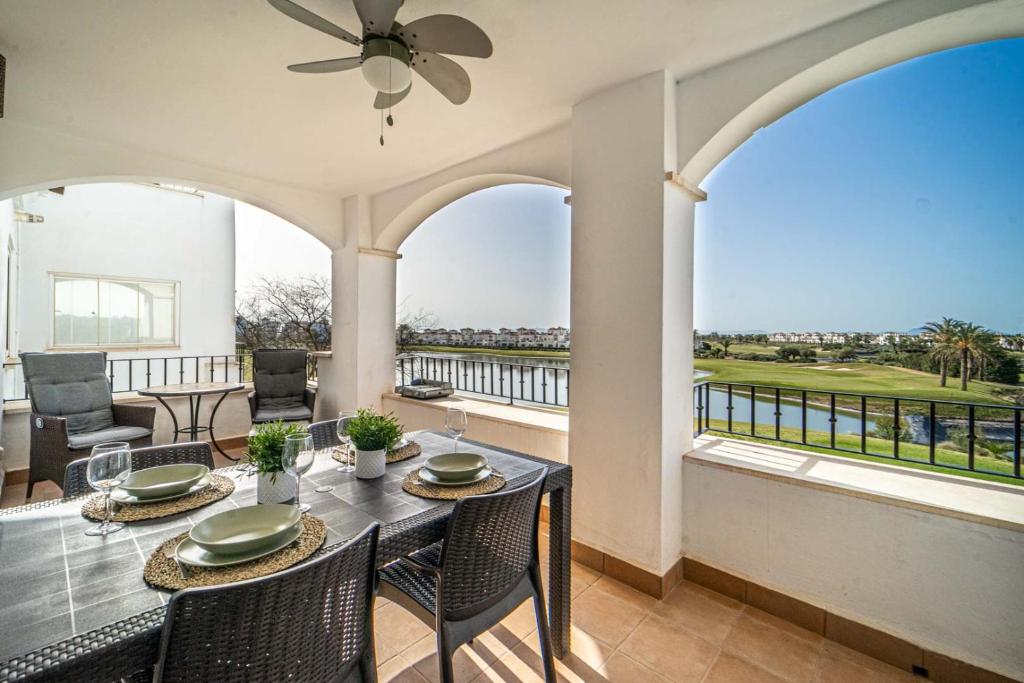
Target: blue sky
x=892 y=200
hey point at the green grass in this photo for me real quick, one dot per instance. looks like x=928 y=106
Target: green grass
x=522 y=353
x=820 y=441
x=860 y=378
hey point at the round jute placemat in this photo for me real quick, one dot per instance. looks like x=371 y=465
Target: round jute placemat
x=220 y=487
x=409 y=450
x=162 y=571
x=417 y=487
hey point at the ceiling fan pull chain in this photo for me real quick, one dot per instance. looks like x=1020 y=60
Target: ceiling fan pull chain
x=390 y=120
x=382 y=128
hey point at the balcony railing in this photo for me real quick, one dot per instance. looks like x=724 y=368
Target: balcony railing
x=975 y=437
x=540 y=385
x=133 y=374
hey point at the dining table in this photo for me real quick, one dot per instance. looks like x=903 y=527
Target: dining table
x=76 y=607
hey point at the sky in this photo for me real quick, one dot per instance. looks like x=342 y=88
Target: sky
x=266 y=245
x=892 y=200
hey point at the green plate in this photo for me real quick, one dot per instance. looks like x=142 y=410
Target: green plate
x=455 y=467
x=426 y=476
x=191 y=554
x=246 y=529
x=119 y=496
x=164 y=480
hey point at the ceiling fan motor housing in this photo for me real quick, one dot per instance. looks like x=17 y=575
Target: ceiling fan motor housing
x=386 y=64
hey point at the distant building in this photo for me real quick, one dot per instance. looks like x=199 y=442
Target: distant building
x=504 y=338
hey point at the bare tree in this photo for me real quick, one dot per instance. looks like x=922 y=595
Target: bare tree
x=286 y=312
x=409 y=323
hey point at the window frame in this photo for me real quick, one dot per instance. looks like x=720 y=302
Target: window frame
x=52 y=344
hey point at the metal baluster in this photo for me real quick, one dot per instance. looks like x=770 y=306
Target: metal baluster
x=111 y=375
x=543 y=385
x=931 y=432
x=863 y=424
x=147 y=373
x=212 y=368
x=970 y=436
x=181 y=369
x=753 y=411
x=130 y=364
x=491 y=365
x=729 y=407
x=700 y=410
x=533 y=386
x=803 y=417
x=1016 y=442
x=896 y=428
x=556 y=386
x=778 y=415
x=567 y=370
x=832 y=421
x=197 y=369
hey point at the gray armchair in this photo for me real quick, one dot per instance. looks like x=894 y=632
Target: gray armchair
x=279 y=376
x=73 y=410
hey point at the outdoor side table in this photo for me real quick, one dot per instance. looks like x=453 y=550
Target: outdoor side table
x=195 y=392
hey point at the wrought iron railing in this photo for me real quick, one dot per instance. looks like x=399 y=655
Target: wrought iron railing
x=542 y=385
x=976 y=437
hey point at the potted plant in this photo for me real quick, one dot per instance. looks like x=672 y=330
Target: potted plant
x=263 y=456
x=372 y=435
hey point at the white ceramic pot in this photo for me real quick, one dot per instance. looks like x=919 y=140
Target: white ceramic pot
x=275 y=488
x=370 y=464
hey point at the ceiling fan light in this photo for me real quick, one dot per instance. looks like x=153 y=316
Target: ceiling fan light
x=386 y=74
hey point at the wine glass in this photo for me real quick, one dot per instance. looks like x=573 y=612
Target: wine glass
x=109 y=465
x=455 y=422
x=296 y=459
x=343 y=418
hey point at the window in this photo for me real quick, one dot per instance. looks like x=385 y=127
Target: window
x=106 y=311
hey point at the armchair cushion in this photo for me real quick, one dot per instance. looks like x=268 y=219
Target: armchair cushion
x=81 y=441
x=73 y=386
x=279 y=379
x=293 y=414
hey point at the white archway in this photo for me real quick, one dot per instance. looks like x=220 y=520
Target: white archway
x=752 y=92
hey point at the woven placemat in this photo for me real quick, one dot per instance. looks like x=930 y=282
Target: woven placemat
x=409 y=450
x=417 y=487
x=162 y=571
x=220 y=487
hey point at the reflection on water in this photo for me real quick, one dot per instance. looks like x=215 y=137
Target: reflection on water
x=764 y=413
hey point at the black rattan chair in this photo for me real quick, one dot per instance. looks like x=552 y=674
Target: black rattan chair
x=76 y=483
x=485 y=567
x=325 y=434
x=281 y=394
x=73 y=410
x=311 y=623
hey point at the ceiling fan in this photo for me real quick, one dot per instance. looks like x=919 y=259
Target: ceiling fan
x=391 y=51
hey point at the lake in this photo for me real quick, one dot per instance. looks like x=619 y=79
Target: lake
x=545 y=381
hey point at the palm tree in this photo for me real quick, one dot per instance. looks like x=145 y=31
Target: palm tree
x=973 y=343
x=726 y=343
x=944 y=347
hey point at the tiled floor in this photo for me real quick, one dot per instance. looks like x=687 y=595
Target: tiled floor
x=619 y=635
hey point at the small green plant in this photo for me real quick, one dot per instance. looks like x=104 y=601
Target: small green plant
x=263 y=455
x=885 y=428
x=372 y=432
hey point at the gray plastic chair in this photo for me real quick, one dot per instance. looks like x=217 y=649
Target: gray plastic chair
x=281 y=394
x=199 y=453
x=311 y=623
x=485 y=567
x=73 y=410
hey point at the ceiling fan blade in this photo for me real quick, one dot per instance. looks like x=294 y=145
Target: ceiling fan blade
x=385 y=101
x=304 y=16
x=447 y=33
x=377 y=15
x=450 y=79
x=327 y=66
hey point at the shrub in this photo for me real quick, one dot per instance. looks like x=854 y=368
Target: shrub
x=885 y=428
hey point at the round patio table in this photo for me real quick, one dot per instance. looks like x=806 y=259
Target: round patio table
x=195 y=392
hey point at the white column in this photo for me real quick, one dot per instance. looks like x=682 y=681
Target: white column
x=632 y=325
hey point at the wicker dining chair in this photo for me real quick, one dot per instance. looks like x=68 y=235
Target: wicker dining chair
x=312 y=623
x=325 y=434
x=76 y=483
x=485 y=567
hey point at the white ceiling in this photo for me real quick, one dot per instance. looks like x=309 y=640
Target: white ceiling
x=205 y=80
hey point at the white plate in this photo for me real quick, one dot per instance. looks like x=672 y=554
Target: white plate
x=119 y=496
x=191 y=554
x=426 y=476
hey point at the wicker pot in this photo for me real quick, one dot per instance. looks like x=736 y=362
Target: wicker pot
x=275 y=488
x=370 y=464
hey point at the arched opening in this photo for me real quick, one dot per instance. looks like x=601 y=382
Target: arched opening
x=483 y=295
x=837 y=233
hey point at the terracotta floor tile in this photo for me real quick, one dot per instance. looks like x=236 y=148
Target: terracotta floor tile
x=730 y=669
x=624 y=593
x=398 y=670
x=604 y=616
x=521 y=623
x=398 y=629
x=692 y=608
x=621 y=669
x=772 y=648
x=670 y=650
x=837 y=659
x=783 y=625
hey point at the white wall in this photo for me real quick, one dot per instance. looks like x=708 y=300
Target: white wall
x=944 y=583
x=133 y=231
